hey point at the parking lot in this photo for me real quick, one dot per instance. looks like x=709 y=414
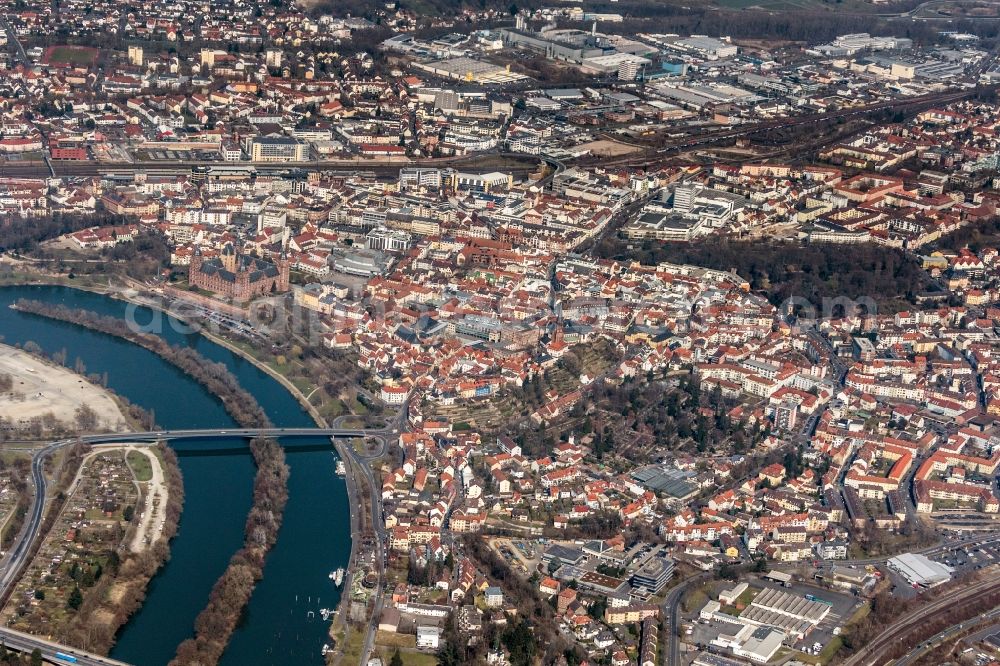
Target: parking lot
x=970 y=558
x=183 y=155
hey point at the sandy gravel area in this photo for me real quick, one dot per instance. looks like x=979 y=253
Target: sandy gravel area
x=608 y=148
x=152 y=514
x=41 y=387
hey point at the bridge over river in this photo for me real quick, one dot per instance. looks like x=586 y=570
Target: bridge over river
x=19 y=554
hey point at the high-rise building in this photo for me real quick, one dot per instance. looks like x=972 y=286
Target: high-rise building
x=654 y=574
x=684 y=196
x=135 y=55
x=416 y=177
x=278 y=149
x=786 y=416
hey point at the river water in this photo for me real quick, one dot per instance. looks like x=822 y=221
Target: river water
x=281 y=624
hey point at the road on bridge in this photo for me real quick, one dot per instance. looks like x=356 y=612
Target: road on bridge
x=26 y=643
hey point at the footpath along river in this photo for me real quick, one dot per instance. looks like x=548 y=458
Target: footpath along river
x=282 y=623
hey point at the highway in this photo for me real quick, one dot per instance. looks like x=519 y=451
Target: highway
x=16 y=640
x=378 y=525
x=361 y=461
x=16 y=557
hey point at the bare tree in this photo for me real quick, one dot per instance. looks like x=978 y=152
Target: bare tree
x=86 y=418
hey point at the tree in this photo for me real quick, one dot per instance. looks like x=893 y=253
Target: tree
x=597 y=608
x=397 y=659
x=36 y=657
x=520 y=643
x=448 y=655
x=75 y=599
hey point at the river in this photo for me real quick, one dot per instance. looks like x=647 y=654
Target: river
x=281 y=624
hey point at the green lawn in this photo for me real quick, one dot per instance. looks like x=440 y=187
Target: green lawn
x=747 y=597
x=332 y=409
x=741 y=602
x=96 y=514
x=858 y=615
x=141 y=467
x=417 y=659
x=353 y=644
x=388 y=639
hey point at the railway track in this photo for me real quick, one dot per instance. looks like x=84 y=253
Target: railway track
x=902 y=628
x=651 y=156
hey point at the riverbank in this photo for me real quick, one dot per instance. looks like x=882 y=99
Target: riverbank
x=230 y=594
x=265 y=368
x=356 y=480
x=238 y=402
x=355 y=477
x=113 y=600
x=45 y=400
x=42 y=393
x=282 y=620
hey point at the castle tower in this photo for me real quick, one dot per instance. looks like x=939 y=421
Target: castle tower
x=194 y=269
x=283 y=269
x=242 y=286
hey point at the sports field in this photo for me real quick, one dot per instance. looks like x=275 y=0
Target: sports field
x=75 y=56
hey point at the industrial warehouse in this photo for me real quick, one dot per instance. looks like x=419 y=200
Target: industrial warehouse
x=921 y=570
x=771 y=607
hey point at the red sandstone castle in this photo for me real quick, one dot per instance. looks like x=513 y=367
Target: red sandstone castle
x=238 y=276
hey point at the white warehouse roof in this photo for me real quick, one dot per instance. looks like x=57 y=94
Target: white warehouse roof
x=920 y=569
